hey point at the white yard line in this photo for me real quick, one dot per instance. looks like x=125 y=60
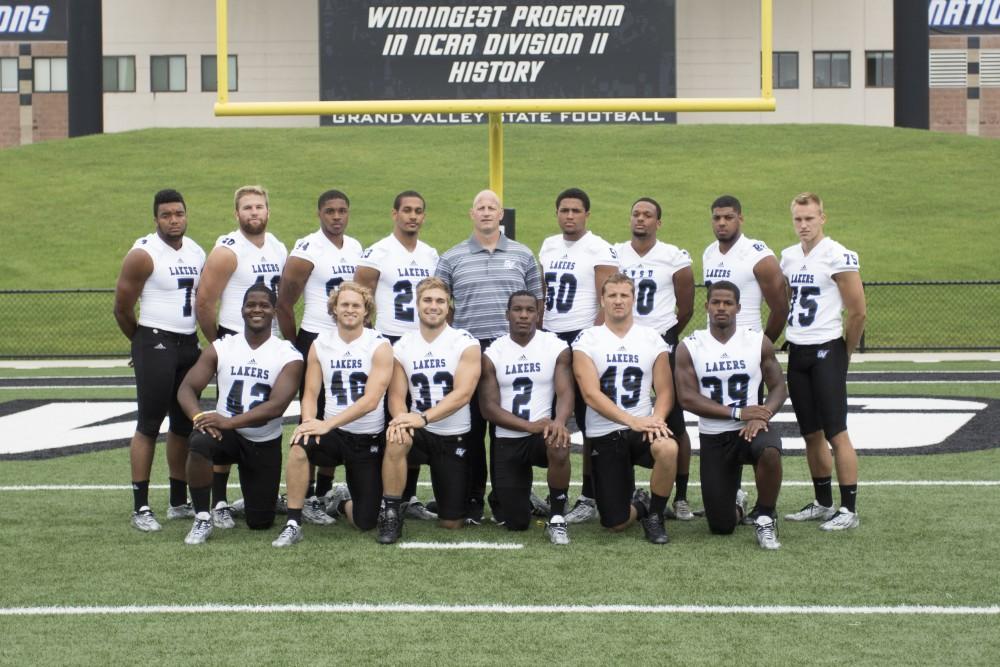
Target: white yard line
x=450 y=546
x=401 y=608
x=540 y=483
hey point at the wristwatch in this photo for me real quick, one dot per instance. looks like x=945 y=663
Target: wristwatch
x=424 y=417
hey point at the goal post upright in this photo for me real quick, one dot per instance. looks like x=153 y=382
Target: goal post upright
x=494 y=107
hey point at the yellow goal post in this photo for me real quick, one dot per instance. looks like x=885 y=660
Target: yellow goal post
x=493 y=107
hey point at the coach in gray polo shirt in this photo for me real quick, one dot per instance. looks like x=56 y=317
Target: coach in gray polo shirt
x=482 y=272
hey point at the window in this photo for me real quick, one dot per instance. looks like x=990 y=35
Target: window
x=831 y=69
x=50 y=75
x=8 y=75
x=878 y=69
x=785 y=69
x=948 y=68
x=209 y=74
x=168 y=74
x=989 y=68
x=119 y=74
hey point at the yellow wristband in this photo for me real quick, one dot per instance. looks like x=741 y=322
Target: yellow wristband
x=195 y=418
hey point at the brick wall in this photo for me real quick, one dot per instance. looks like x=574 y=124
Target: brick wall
x=50 y=116
x=947 y=109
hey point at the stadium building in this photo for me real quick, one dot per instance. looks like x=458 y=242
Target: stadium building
x=73 y=67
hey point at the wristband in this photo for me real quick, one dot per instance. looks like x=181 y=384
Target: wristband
x=195 y=418
x=734 y=413
x=424 y=417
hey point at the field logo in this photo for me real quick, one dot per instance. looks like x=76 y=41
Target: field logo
x=16 y=19
x=38 y=429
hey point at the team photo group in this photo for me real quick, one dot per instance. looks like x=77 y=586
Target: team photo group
x=481 y=363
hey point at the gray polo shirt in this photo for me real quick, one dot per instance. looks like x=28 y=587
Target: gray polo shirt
x=481 y=282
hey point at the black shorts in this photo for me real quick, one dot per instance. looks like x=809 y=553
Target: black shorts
x=304 y=341
x=722 y=458
x=361 y=455
x=161 y=359
x=675 y=420
x=447 y=456
x=513 y=459
x=817 y=385
x=579 y=405
x=259 y=466
x=612 y=460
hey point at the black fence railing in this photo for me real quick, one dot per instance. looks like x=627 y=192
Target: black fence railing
x=951 y=315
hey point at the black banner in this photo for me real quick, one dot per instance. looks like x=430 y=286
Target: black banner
x=399 y=50
x=963 y=17
x=33 y=21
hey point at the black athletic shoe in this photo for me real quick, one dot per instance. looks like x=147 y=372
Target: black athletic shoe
x=390 y=526
x=474 y=513
x=652 y=525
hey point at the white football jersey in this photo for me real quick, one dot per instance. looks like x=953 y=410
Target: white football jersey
x=346 y=367
x=736 y=266
x=399 y=272
x=253 y=265
x=571 y=299
x=430 y=369
x=526 y=376
x=625 y=370
x=167 y=299
x=331 y=266
x=653 y=273
x=246 y=377
x=815 y=313
x=728 y=373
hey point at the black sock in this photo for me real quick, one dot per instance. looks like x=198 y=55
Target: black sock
x=588 y=486
x=557 y=502
x=763 y=510
x=392 y=502
x=849 y=496
x=824 y=491
x=323 y=484
x=311 y=489
x=412 y=476
x=178 y=492
x=295 y=515
x=220 y=480
x=657 y=504
x=140 y=494
x=681 y=487
x=201 y=499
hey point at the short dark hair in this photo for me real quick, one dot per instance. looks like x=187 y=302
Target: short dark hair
x=727 y=201
x=167 y=196
x=723 y=285
x=332 y=194
x=650 y=200
x=407 y=193
x=520 y=292
x=261 y=287
x=574 y=193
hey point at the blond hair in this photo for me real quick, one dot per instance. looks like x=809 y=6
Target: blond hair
x=351 y=286
x=806 y=198
x=250 y=190
x=618 y=278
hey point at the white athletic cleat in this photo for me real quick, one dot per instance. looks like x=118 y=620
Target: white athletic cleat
x=335 y=496
x=844 y=519
x=238 y=508
x=538 y=506
x=222 y=517
x=417 y=510
x=682 y=510
x=145 y=521
x=281 y=504
x=741 y=503
x=290 y=534
x=767 y=532
x=812 y=512
x=200 y=531
x=556 y=530
x=185 y=511
x=584 y=510
x=313 y=512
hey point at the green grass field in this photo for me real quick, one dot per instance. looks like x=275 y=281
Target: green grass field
x=926 y=546
x=911 y=203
